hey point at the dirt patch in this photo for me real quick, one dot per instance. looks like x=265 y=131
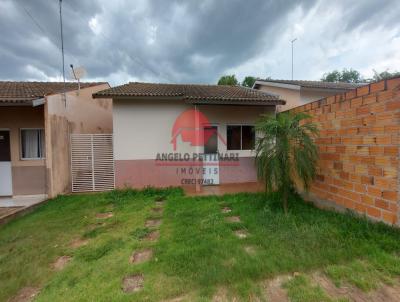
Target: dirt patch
x=384 y=293
x=241 y=234
x=160 y=203
x=132 y=283
x=141 y=256
x=226 y=210
x=152 y=223
x=61 y=262
x=274 y=291
x=249 y=249
x=26 y=294
x=222 y=295
x=152 y=236
x=104 y=215
x=233 y=219
x=157 y=210
x=78 y=243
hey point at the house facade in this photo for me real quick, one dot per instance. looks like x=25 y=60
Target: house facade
x=36 y=120
x=177 y=135
x=297 y=93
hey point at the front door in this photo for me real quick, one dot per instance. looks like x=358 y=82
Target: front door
x=5 y=164
x=211 y=160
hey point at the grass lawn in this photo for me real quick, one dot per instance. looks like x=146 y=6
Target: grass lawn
x=197 y=257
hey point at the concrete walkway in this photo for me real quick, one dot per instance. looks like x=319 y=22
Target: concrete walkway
x=11 y=207
x=250 y=187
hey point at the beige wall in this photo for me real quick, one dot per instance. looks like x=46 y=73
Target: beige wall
x=80 y=114
x=144 y=128
x=295 y=95
x=28 y=175
x=291 y=96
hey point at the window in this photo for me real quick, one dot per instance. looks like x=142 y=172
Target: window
x=240 y=137
x=32 y=144
x=211 y=140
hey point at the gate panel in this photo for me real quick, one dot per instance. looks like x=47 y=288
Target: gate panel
x=92 y=162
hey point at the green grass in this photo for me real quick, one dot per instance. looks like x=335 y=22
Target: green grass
x=197 y=253
x=300 y=289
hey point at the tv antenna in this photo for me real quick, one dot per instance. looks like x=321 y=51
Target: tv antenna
x=77 y=73
x=292 y=41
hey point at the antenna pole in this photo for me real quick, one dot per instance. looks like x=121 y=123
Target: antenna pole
x=62 y=53
x=294 y=40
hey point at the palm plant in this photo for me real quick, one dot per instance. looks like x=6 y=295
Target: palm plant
x=286 y=153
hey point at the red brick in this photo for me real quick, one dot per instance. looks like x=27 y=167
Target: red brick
x=384 y=140
x=374 y=191
x=392 y=129
x=374 y=212
x=367 y=199
x=363 y=110
x=375 y=150
x=363 y=90
x=379 y=86
x=330 y=100
x=393 y=83
x=359 y=188
x=375 y=171
x=394 y=105
x=390 y=195
x=357 y=102
x=389 y=217
x=382 y=160
x=350 y=94
x=367 y=180
x=385 y=95
x=391 y=151
x=382 y=204
x=385 y=183
x=390 y=172
x=340 y=149
x=330 y=156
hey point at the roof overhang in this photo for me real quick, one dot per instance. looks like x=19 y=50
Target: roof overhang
x=274 y=84
x=22 y=103
x=193 y=101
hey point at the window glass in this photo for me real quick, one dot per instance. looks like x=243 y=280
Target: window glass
x=211 y=140
x=248 y=138
x=233 y=137
x=32 y=144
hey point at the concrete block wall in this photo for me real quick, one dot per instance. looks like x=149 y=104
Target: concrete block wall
x=359 y=140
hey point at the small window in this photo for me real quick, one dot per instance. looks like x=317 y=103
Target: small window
x=240 y=137
x=32 y=144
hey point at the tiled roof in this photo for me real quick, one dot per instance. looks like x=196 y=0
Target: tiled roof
x=23 y=92
x=193 y=93
x=318 y=84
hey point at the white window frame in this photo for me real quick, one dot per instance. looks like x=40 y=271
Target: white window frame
x=20 y=145
x=241 y=136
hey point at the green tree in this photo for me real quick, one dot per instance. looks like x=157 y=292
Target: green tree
x=384 y=75
x=346 y=76
x=249 y=81
x=286 y=152
x=228 y=80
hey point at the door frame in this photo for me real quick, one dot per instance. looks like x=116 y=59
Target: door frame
x=11 y=178
x=205 y=155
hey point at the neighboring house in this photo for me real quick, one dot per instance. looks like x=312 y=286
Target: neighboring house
x=173 y=135
x=297 y=93
x=36 y=121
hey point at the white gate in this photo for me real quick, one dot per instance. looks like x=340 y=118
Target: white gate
x=92 y=162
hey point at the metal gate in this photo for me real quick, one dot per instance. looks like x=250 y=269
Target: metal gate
x=92 y=162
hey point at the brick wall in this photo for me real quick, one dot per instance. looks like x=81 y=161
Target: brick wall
x=358 y=167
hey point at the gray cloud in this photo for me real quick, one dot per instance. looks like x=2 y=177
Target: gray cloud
x=193 y=41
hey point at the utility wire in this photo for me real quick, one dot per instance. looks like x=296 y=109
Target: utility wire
x=62 y=53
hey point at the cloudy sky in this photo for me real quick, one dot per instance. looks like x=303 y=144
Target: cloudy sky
x=196 y=41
